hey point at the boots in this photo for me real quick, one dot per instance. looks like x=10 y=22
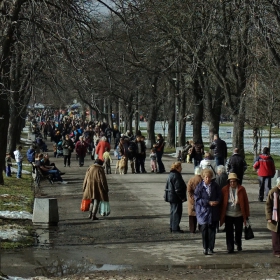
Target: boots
x=94 y=217
x=90 y=215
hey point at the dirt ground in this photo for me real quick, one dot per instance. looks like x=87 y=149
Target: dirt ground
x=134 y=242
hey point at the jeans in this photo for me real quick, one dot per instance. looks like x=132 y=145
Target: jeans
x=161 y=167
x=220 y=161
x=8 y=171
x=55 y=174
x=176 y=210
x=19 y=164
x=265 y=186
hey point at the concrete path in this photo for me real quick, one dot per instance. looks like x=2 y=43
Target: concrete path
x=135 y=236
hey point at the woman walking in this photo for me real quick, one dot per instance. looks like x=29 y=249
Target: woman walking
x=234 y=212
x=175 y=194
x=95 y=187
x=207 y=199
x=68 y=147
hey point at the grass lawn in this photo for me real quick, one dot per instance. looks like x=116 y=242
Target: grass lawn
x=17 y=195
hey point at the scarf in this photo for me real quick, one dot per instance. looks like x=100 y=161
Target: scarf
x=275 y=207
x=233 y=198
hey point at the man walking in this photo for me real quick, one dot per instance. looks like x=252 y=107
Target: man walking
x=266 y=170
x=220 y=150
x=236 y=164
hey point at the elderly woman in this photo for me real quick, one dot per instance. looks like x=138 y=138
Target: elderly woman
x=175 y=194
x=95 y=187
x=272 y=212
x=193 y=182
x=207 y=197
x=234 y=212
x=221 y=177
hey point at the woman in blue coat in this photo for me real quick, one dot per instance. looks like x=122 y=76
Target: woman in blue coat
x=175 y=194
x=207 y=199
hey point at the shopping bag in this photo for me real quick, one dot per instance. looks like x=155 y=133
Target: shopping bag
x=104 y=208
x=85 y=204
x=248 y=232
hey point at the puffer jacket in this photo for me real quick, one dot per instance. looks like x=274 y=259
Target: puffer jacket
x=205 y=213
x=265 y=166
x=175 y=188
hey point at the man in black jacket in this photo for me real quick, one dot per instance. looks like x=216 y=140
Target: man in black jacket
x=220 y=150
x=236 y=164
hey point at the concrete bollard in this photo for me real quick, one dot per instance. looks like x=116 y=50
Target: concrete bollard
x=45 y=211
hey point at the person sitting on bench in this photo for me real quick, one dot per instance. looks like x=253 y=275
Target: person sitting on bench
x=39 y=162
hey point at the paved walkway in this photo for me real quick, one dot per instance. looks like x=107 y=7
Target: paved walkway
x=136 y=234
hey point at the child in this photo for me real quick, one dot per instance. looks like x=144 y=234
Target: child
x=153 y=157
x=8 y=165
x=107 y=161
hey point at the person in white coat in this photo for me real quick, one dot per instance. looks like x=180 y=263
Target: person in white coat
x=18 y=159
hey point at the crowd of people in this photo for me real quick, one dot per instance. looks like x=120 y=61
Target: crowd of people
x=215 y=195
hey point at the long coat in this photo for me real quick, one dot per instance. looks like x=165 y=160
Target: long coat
x=273 y=226
x=95 y=184
x=205 y=213
x=193 y=182
x=242 y=200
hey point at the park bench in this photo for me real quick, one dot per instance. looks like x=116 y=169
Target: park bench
x=39 y=176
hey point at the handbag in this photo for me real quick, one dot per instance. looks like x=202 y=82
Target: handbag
x=248 y=232
x=85 y=204
x=104 y=208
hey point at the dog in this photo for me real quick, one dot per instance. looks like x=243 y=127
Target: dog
x=121 y=165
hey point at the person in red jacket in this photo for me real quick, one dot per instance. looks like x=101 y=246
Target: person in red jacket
x=81 y=150
x=264 y=164
x=101 y=147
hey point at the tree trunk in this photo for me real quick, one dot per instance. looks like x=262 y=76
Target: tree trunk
x=197 y=112
x=269 y=135
x=256 y=141
x=182 y=114
x=238 y=130
x=214 y=113
x=171 y=117
x=151 y=125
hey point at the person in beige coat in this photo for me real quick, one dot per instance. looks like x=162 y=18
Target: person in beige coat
x=272 y=212
x=95 y=187
x=193 y=182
